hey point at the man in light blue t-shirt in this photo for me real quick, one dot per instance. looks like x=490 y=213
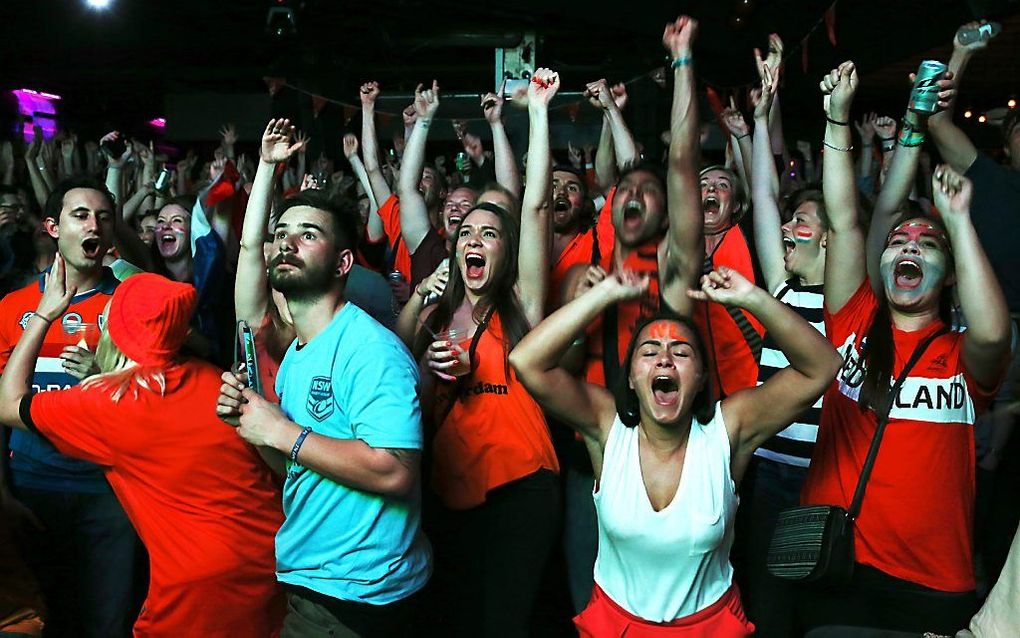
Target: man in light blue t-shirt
x=351 y=552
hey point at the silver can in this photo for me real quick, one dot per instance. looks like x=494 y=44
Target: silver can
x=924 y=97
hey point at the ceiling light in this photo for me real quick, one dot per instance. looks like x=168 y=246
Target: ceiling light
x=98 y=4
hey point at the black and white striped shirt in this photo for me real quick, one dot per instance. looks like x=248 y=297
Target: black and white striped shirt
x=794 y=444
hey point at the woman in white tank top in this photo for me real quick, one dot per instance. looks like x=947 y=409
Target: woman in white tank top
x=666 y=457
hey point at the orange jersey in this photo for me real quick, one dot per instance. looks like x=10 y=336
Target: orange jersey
x=581 y=250
x=398 y=253
x=627 y=314
x=493 y=434
x=734 y=364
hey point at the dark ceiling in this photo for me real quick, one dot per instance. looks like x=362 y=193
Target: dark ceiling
x=119 y=65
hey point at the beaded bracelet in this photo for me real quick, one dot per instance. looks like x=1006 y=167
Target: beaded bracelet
x=679 y=62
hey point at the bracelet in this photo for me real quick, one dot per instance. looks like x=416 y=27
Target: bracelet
x=297 y=444
x=911 y=137
x=679 y=62
x=887 y=139
x=836 y=122
x=740 y=137
x=842 y=149
x=589 y=165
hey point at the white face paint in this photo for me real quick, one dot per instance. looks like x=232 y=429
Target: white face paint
x=915 y=265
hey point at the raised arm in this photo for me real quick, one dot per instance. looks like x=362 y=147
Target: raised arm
x=375 y=230
x=685 y=245
x=953 y=144
x=740 y=140
x=40 y=188
x=535 y=245
x=605 y=159
x=900 y=179
x=588 y=408
x=506 y=165
x=414 y=216
x=986 y=340
x=768 y=234
x=844 y=250
x=251 y=290
x=370 y=143
x=16 y=380
x=611 y=101
x=753 y=415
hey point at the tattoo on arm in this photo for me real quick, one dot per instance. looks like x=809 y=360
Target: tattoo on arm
x=407 y=458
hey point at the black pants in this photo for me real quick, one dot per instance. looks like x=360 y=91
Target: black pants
x=877 y=600
x=314 y=615
x=490 y=559
x=768 y=488
x=85 y=562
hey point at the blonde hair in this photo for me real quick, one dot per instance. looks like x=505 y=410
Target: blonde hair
x=119 y=375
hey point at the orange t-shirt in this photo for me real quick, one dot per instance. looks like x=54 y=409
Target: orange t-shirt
x=581 y=249
x=733 y=365
x=495 y=432
x=200 y=498
x=390 y=214
x=916 y=520
x=643 y=260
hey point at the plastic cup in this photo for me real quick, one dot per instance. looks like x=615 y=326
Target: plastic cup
x=83 y=335
x=455 y=336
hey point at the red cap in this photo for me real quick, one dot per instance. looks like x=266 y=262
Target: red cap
x=149 y=316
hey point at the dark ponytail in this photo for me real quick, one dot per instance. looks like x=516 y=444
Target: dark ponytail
x=879 y=354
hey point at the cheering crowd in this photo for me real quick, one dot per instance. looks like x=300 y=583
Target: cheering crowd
x=770 y=389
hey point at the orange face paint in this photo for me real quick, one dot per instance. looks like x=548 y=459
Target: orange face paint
x=666 y=332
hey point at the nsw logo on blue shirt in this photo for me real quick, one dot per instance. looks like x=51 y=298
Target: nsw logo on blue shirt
x=320 y=398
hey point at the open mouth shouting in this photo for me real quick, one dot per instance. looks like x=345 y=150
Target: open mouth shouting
x=474 y=265
x=90 y=246
x=907 y=273
x=710 y=205
x=789 y=245
x=633 y=214
x=665 y=390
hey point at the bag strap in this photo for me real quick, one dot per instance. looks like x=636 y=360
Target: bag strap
x=883 y=419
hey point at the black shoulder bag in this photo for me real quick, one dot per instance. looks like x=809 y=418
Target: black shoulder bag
x=815 y=543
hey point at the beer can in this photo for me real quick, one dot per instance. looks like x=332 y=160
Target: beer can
x=924 y=97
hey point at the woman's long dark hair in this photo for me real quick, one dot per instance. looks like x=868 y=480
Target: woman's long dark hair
x=627 y=405
x=879 y=351
x=501 y=297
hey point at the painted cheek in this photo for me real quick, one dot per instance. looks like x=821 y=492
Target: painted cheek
x=802 y=233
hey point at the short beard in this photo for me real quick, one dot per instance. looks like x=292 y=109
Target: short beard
x=308 y=284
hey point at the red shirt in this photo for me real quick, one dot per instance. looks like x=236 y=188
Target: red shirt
x=733 y=366
x=200 y=498
x=581 y=249
x=917 y=515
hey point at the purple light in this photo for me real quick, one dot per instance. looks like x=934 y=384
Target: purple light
x=158 y=122
x=38 y=108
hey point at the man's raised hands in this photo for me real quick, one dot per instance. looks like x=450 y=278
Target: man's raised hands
x=277 y=145
x=492 y=105
x=426 y=102
x=838 y=88
x=678 y=37
x=543 y=86
x=368 y=93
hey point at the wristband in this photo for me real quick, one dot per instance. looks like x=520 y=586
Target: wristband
x=836 y=122
x=888 y=146
x=740 y=137
x=297 y=444
x=681 y=61
x=589 y=165
x=841 y=149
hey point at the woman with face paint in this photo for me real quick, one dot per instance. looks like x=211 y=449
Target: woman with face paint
x=493 y=464
x=667 y=458
x=913 y=537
